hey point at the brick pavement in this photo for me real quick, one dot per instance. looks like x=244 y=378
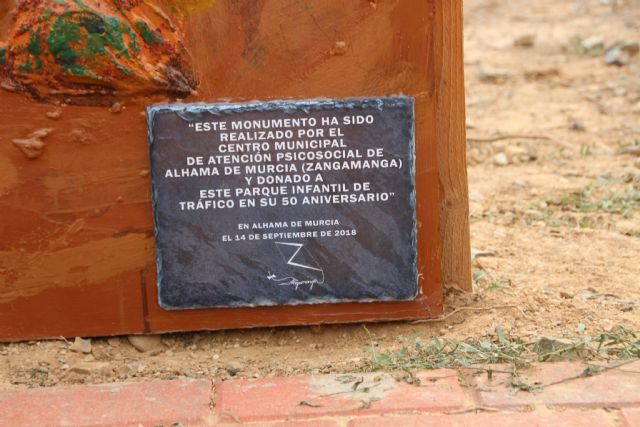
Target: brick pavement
x=442 y=398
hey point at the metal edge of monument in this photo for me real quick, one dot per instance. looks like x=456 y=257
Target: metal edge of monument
x=284 y=202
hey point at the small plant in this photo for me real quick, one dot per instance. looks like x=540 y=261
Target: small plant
x=622 y=343
x=595 y=206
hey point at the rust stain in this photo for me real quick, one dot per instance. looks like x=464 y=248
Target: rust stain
x=32 y=145
x=90 y=51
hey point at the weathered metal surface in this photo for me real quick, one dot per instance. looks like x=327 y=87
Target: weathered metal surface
x=77 y=248
x=89 y=51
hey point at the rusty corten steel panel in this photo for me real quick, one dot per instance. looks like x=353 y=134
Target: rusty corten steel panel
x=77 y=247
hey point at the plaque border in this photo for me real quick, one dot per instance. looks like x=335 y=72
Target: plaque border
x=221 y=108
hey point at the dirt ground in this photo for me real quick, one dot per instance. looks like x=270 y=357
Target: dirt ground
x=554 y=174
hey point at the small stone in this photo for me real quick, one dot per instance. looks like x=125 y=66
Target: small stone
x=33 y=145
x=620 y=91
x=116 y=107
x=113 y=341
x=91 y=368
x=145 y=343
x=593 y=44
x=559 y=349
x=54 y=115
x=525 y=40
x=616 y=56
x=541 y=73
x=577 y=127
x=586 y=296
x=566 y=295
x=500 y=159
x=494 y=75
x=518 y=154
x=339 y=48
x=81 y=346
x=232 y=369
x=627 y=308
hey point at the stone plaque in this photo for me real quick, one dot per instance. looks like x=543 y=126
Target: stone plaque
x=284 y=203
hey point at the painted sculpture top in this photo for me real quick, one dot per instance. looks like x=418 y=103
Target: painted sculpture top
x=87 y=51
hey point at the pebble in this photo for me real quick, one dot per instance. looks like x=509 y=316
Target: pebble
x=627 y=308
x=500 y=159
x=494 y=75
x=620 y=54
x=617 y=56
x=518 y=154
x=91 y=368
x=577 y=127
x=593 y=44
x=339 y=48
x=116 y=107
x=81 y=345
x=54 y=115
x=232 y=369
x=525 y=40
x=542 y=73
x=145 y=343
x=566 y=295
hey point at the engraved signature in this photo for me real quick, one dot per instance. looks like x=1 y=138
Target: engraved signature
x=292 y=281
x=294 y=249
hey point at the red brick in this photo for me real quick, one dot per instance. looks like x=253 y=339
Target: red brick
x=276 y=399
x=614 y=388
x=631 y=417
x=124 y=404
x=293 y=423
x=593 y=418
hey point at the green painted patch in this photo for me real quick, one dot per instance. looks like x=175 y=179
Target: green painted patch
x=63 y=36
x=80 y=42
x=35 y=48
x=150 y=37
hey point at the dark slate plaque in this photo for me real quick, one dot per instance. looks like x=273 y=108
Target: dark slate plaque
x=284 y=203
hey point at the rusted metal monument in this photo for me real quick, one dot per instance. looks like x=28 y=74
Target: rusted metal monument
x=200 y=164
